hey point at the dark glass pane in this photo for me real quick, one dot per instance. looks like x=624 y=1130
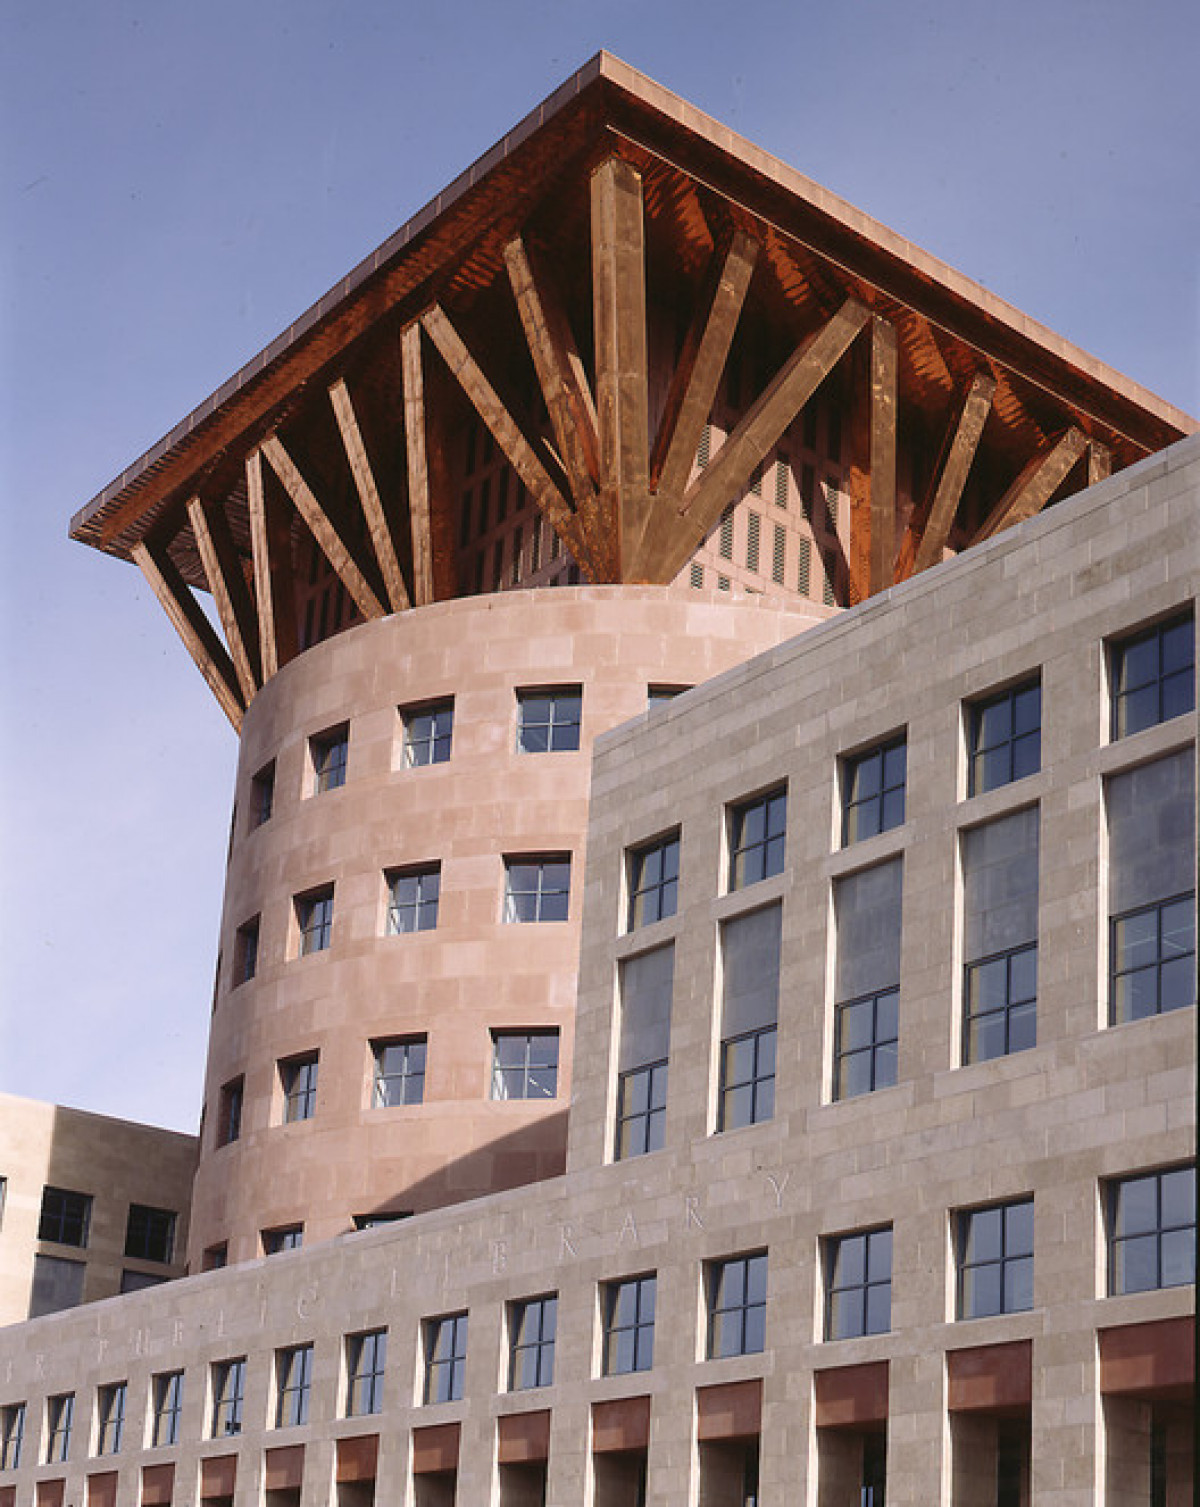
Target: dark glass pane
x=1018 y=1229
x=766 y=1053
x=981 y=1291
x=1022 y=1028
x=893 y=810
x=984 y=1235
x=887 y=1015
x=1135 y=1264
x=1019 y=1285
x=854 y=1075
x=1178 y=927
x=865 y=776
x=887 y=1060
x=895 y=761
x=879 y=1309
x=1139 y=663
x=845 y=1314
x=850 y=1261
x=1027 y=709
x=1178 y=1257
x=1177 y=646
x=1177 y=984
x=1178 y=694
x=988 y=986
x=858 y=1025
x=1136 y=940
x=1139 y=710
x=995 y=723
x=1179 y=1197
x=1137 y=1206
x=991 y=769
x=755 y=1331
x=986 y=1038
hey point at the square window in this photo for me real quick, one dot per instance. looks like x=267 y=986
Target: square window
x=858 y=1284
x=366 y=1361
x=628 y=1315
x=1004 y=734
x=445 y=1358
x=1153 y=676
x=314 y=917
x=215 y=1257
x=873 y=791
x=229 y=1114
x=262 y=795
x=1152 y=1231
x=428 y=734
x=298 y=1078
x=293 y=1374
x=288 y=1237
x=245 y=952
x=757 y=830
x=65 y=1217
x=228 y=1397
x=399 y=1074
x=531 y=1326
x=60 y=1411
x=110 y=1418
x=653 y=881
x=1152 y=959
x=994 y=1251
x=12 y=1435
x=737 y=1305
x=413 y=899
x=150 y=1233
x=167 y=1402
x=329 y=751
x=548 y=720
x=537 y=889
x=524 y=1064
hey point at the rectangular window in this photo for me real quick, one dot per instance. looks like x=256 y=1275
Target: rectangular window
x=428 y=734
x=298 y=1078
x=749 y=1011
x=60 y=1411
x=646 y=987
x=858 y=1284
x=57 y=1284
x=399 y=1072
x=138 y=1281
x=65 y=1217
x=524 y=1064
x=532 y=1326
x=1152 y=1231
x=1153 y=676
x=366 y=1361
x=737 y=1305
x=110 y=1417
x=537 y=889
x=653 y=881
x=150 y=1233
x=262 y=795
x=329 y=751
x=413 y=899
x=1000 y=905
x=167 y=1402
x=873 y=791
x=866 y=1034
x=628 y=1312
x=215 y=1257
x=995 y=1260
x=445 y=1357
x=288 y=1237
x=229 y=1114
x=228 y=1397
x=314 y=917
x=12 y=1435
x=293 y=1371
x=757 y=830
x=245 y=952
x=548 y=720
x=1151 y=888
x=1004 y=736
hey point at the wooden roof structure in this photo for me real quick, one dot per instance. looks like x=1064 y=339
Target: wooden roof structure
x=534 y=296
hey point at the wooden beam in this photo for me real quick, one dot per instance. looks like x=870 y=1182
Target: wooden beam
x=193 y=627
x=368 y=495
x=622 y=371
x=223 y=571
x=508 y=435
x=271 y=551
x=417 y=460
x=1099 y=462
x=883 y=455
x=331 y=543
x=560 y=374
x=1036 y=484
x=958 y=456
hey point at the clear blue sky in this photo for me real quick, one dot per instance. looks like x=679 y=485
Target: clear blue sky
x=179 y=181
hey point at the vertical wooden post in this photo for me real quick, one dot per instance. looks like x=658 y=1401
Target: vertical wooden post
x=883 y=455
x=418 y=467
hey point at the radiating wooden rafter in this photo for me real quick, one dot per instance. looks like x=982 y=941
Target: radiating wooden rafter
x=235 y=607
x=271 y=549
x=924 y=546
x=1037 y=483
x=417 y=465
x=368 y=495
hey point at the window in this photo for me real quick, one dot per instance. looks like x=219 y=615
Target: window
x=1004 y=736
x=215 y=1257
x=366 y=1360
x=653 y=881
x=12 y=1434
x=750 y=1003
x=413 y=899
x=1151 y=888
x=1000 y=903
x=65 y=1217
x=629 y=1325
x=428 y=733
x=737 y=1305
x=858 y=1284
x=1153 y=676
x=524 y=1064
x=873 y=791
x=262 y=795
x=110 y=1418
x=532 y=1325
x=548 y=721
x=646 y=987
x=228 y=1395
x=288 y=1237
x=399 y=1072
x=60 y=1411
x=298 y=1077
x=167 y=1401
x=138 y=1281
x=329 y=751
x=995 y=1260
x=537 y=889
x=314 y=917
x=445 y=1357
x=293 y=1371
x=756 y=838
x=150 y=1233
x=866 y=1030
x=229 y=1120
x=380 y=1217
x=659 y=695
x=245 y=952
x=1152 y=1231
x=57 y=1284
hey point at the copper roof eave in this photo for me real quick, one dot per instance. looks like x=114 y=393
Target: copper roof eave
x=606 y=92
